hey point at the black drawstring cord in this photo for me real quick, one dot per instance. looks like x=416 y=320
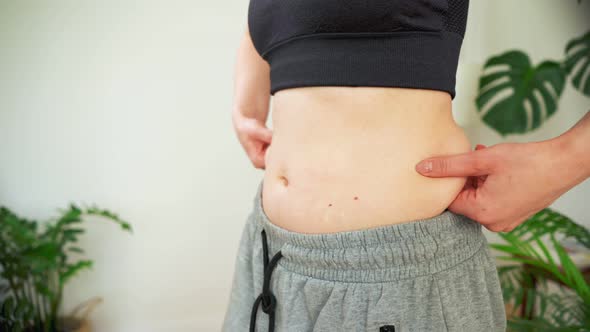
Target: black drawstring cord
x=269 y=302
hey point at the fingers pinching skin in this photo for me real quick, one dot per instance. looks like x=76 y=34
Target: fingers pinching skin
x=264 y=134
x=478 y=162
x=514 y=180
x=254 y=137
x=478 y=181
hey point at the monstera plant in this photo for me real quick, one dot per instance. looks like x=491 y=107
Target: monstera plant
x=511 y=85
x=515 y=97
x=578 y=53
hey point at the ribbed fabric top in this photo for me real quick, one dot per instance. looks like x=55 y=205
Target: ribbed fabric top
x=388 y=43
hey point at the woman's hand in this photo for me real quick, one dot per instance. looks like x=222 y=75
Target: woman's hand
x=509 y=182
x=251 y=101
x=254 y=136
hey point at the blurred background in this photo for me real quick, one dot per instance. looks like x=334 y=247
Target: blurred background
x=127 y=104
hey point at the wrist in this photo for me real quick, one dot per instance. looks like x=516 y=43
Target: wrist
x=236 y=116
x=240 y=114
x=574 y=152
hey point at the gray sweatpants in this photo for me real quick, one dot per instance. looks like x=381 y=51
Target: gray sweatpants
x=433 y=274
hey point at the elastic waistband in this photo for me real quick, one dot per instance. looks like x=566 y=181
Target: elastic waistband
x=384 y=253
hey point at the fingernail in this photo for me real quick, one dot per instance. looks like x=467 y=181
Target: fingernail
x=425 y=166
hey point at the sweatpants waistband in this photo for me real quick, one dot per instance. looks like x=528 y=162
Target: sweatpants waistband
x=378 y=254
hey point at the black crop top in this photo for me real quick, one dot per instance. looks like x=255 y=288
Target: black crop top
x=392 y=43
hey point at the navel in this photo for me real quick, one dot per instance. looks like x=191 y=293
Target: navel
x=284 y=180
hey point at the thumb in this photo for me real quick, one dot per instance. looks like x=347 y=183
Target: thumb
x=468 y=203
x=263 y=133
x=478 y=162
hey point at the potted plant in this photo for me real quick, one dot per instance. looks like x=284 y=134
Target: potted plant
x=36 y=262
x=526 y=284
x=510 y=83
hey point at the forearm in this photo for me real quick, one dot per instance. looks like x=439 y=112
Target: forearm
x=251 y=83
x=574 y=147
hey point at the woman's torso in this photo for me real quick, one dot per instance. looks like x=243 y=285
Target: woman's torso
x=343 y=158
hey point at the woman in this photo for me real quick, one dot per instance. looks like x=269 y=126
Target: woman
x=345 y=235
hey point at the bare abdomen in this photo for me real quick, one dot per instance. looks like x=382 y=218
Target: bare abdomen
x=343 y=158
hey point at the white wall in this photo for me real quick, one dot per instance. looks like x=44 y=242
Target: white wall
x=126 y=104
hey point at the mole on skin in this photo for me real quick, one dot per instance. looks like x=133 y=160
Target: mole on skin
x=286 y=183
x=355 y=198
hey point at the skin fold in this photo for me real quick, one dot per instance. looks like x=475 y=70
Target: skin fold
x=509 y=182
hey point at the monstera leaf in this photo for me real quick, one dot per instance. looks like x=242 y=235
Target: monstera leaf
x=578 y=52
x=516 y=84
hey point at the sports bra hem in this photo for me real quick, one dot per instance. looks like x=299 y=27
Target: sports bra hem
x=367 y=34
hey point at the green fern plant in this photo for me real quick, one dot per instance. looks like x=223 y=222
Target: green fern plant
x=529 y=244
x=36 y=263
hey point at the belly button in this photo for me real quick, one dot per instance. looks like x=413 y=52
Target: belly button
x=284 y=180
